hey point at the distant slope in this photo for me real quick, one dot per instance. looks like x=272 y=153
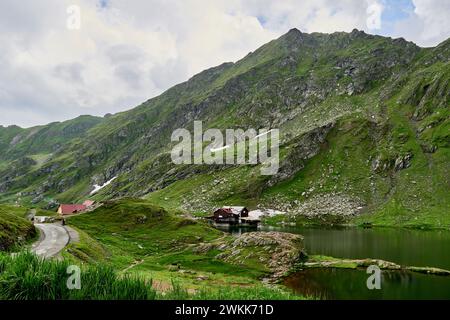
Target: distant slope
x=25 y=150
x=363 y=122
x=17 y=142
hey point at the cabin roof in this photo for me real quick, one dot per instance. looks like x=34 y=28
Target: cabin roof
x=71 y=208
x=233 y=209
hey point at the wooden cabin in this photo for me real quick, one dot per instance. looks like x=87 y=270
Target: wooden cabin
x=230 y=215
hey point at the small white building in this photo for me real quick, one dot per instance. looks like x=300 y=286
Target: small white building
x=41 y=219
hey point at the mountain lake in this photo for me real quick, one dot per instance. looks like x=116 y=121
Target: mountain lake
x=407 y=247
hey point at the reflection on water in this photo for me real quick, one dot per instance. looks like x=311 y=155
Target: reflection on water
x=351 y=284
x=237 y=230
x=402 y=246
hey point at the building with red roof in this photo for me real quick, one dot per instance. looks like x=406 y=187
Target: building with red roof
x=67 y=209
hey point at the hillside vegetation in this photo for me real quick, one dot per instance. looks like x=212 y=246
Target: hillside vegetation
x=138 y=238
x=26 y=277
x=364 y=125
x=14 y=228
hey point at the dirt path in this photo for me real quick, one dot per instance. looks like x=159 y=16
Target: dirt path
x=134 y=264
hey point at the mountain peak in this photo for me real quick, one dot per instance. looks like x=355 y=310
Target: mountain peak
x=357 y=33
x=294 y=36
x=294 y=31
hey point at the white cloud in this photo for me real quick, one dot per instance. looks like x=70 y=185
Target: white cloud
x=374 y=12
x=435 y=16
x=128 y=51
x=428 y=24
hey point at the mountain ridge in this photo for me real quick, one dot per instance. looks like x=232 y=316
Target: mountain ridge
x=311 y=86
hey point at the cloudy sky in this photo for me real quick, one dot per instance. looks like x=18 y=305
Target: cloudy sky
x=63 y=58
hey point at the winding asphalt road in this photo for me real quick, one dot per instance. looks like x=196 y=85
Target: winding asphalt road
x=54 y=237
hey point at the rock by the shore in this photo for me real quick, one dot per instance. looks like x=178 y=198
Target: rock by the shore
x=330 y=262
x=276 y=252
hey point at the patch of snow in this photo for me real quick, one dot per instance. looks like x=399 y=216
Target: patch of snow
x=264 y=212
x=97 y=188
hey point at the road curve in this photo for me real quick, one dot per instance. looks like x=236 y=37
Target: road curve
x=54 y=238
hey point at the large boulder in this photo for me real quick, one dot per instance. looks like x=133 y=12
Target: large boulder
x=275 y=252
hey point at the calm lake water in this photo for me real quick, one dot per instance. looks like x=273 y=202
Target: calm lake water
x=403 y=246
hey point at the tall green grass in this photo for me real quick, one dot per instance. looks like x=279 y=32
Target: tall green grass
x=27 y=277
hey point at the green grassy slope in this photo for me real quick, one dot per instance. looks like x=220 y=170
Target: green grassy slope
x=14 y=228
x=151 y=227
x=131 y=228
x=29 y=150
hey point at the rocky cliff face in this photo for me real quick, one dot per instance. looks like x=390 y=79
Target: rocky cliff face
x=360 y=116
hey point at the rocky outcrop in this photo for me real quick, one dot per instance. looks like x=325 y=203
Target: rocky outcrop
x=277 y=252
x=400 y=162
x=320 y=205
x=306 y=147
